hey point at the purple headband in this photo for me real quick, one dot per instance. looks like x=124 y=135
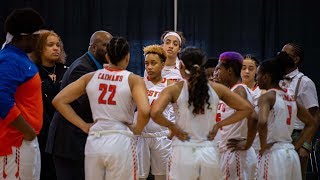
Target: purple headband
x=231 y=56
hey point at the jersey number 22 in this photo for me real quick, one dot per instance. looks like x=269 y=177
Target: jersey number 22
x=104 y=88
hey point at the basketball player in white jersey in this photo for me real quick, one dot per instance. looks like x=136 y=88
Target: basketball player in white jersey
x=248 y=77
x=194 y=152
x=172 y=44
x=113 y=94
x=238 y=158
x=277 y=110
x=153 y=146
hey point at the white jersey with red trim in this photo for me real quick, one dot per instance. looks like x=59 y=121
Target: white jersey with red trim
x=154 y=91
x=237 y=130
x=172 y=72
x=110 y=96
x=197 y=126
x=256 y=93
x=281 y=117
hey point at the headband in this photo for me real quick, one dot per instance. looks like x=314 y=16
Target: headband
x=8 y=40
x=172 y=34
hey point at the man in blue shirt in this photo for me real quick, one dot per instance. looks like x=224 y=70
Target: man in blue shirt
x=65 y=141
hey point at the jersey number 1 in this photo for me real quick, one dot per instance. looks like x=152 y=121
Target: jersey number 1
x=104 y=88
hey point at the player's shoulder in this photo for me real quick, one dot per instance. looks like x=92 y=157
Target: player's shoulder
x=135 y=79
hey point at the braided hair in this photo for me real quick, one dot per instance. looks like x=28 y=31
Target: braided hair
x=117 y=49
x=253 y=58
x=297 y=50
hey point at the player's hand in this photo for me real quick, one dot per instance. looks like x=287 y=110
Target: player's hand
x=212 y=134
x=170 y=135
x=176 y=131
x=265 y=148
x=30 y=136
x=133 y=128
x=237 y=144
x=87 y=127
x=183 y=70
x=303 y=153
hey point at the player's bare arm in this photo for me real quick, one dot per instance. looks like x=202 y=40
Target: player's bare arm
x=169 y=95
x=67 y=95
x=243 y=108
x=138 y=86
x=252 y=122
x=266 y=102
x=21 y=125
x=309 y=128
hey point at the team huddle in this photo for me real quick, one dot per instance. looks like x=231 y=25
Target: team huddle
x=178 y=122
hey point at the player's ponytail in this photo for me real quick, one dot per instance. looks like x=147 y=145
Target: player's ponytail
x=194 y=60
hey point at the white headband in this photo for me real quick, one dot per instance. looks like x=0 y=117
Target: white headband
x=8 y=40
x=9 y=37
x=172 y=34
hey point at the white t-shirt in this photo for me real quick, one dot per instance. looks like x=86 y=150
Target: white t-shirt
x=307 y=93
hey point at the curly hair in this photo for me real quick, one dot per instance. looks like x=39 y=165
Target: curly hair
x=194 y=60
x=155 y=49
x=36 y=54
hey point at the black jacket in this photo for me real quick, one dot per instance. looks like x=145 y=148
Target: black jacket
x=50 y=89
x=65 y=139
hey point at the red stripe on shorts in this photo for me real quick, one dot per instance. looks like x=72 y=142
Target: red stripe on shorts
x=135 y=168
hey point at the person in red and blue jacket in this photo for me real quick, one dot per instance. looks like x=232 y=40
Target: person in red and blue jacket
x=21 y=106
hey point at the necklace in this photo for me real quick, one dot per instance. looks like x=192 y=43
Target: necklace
x=115 y=67
x=52 y=75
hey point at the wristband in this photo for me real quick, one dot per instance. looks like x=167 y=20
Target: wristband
x=307 y=146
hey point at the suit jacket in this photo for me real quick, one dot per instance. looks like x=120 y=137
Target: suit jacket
x=65 y=139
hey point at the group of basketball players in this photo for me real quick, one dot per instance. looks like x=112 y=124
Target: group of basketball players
x=212 y=124
x=180 y=125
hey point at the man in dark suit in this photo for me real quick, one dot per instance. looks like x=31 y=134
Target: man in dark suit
x=65 y=141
